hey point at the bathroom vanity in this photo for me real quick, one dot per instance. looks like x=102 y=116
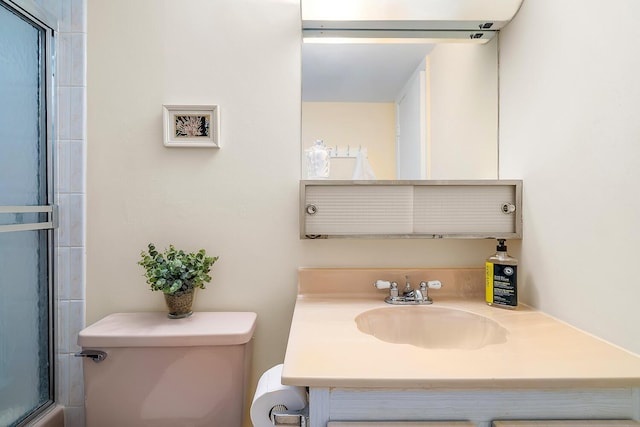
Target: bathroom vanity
x=454 y=360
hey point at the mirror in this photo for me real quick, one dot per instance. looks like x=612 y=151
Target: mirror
x=402 y=111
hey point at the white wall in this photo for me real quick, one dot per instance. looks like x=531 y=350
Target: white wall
x=411 y=116
x=569 y=128
x=239 y=202
x=463 y=114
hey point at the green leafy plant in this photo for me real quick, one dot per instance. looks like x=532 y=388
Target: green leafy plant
x=174 y=271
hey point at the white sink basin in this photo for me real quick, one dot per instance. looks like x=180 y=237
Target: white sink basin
x=431 y=327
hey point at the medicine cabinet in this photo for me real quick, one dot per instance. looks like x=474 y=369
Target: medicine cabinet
x=474 y=209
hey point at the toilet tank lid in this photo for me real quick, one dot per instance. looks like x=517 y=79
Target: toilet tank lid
x=157 y=330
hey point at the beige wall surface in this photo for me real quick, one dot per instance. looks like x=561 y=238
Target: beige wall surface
x=240 y=201
x=353 y=125
x=569 y=128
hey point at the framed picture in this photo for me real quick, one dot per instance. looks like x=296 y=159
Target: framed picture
x=191 y=125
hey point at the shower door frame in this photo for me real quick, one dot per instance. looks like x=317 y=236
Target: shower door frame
x=39 y=17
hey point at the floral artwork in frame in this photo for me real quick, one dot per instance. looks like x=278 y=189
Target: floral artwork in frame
x=191 y=125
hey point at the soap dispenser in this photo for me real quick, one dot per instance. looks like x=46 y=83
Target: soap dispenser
x=501 y=277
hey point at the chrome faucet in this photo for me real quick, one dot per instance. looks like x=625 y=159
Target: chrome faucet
x=409 y=295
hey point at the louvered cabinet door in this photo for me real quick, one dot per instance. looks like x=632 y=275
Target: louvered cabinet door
x=357 y=210
x=467 y=210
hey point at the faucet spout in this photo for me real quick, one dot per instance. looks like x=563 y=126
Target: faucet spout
x=408 y=290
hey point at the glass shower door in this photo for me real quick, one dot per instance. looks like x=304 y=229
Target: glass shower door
x=26 y=219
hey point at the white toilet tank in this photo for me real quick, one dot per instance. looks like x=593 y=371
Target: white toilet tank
x=161 y=372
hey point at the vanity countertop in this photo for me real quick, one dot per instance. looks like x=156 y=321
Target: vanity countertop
x=326 y=349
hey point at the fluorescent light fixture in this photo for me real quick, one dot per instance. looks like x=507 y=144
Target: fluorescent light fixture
x=354 y=36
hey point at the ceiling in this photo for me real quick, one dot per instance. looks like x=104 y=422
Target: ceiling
x=358 y=72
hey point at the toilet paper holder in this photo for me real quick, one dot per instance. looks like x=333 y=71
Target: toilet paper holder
x=281 y=416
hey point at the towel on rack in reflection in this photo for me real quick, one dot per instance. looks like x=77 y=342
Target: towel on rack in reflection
x=362 y=169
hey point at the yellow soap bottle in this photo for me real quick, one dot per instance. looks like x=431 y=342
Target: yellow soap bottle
x=501 y=277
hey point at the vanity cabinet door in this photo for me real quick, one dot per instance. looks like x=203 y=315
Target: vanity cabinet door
x=567 y=423
x=400 y=424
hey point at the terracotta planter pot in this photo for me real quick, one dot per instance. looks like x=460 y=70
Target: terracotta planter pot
x=179 y=304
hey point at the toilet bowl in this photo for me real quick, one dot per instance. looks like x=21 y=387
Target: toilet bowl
x=143 y=369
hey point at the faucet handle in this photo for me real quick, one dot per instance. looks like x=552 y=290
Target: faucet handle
x=385 y=284
x=431 y=284
x=382 y=284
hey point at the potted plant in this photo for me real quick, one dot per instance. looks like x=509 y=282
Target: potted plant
x=177 y=274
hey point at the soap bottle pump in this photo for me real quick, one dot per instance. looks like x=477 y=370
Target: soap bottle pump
x=501 y=278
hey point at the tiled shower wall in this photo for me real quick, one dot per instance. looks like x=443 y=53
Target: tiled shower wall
x=70 y=142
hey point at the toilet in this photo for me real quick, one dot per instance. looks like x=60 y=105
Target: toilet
x=144 y=369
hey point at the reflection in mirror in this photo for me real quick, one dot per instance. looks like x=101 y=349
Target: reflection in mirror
x=402 y=111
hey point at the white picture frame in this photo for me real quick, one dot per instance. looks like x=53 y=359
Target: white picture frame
x=191 y=125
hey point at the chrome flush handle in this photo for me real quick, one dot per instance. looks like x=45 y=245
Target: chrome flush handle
x=96 y=355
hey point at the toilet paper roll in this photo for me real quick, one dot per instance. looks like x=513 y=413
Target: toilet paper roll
x=270 y=392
